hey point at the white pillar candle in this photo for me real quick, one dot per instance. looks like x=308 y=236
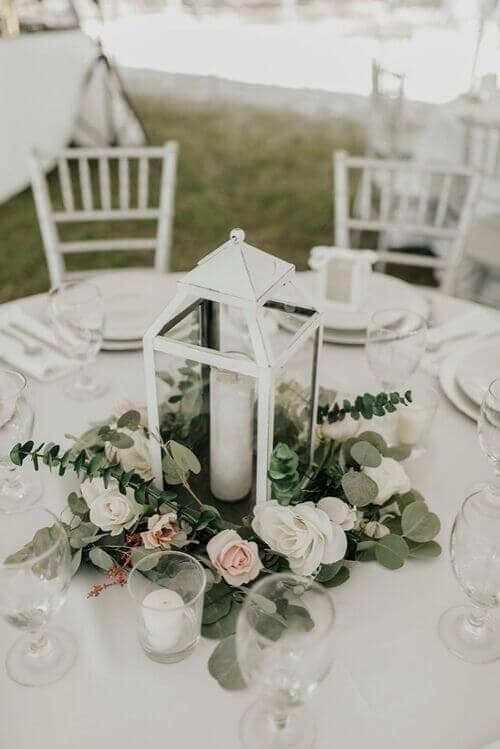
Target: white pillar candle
x=413 y=421
x=231 y=435
x=163 y=619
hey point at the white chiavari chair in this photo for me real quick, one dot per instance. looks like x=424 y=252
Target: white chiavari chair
x=98 y=185
x=404 y=198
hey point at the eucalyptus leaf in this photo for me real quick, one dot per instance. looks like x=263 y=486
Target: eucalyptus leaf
x=217 y=610
x=327 y=572
x=398 y=452
x=101 y=558
x=120 y=440
x=223 y=665
x=341 y=577
x=391 y=551
x=77 y=504
x=418 y=524
x=359 y=489
x=375 y=439
x=427 y=550
x=224 y=626
x=129 y=420
x=184 y=457
x=365 y=454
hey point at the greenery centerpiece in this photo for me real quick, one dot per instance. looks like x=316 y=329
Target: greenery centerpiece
x=353 y=503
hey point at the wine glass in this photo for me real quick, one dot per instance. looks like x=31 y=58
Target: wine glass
x=17 y=491
x=35 y=573
x=472 y=632
x=285 y=651
x=76 y=311
x=488 y=429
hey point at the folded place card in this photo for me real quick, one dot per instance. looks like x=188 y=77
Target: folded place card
x=342 y=275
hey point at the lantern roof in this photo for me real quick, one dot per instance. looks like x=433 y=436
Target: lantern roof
x=238 y=271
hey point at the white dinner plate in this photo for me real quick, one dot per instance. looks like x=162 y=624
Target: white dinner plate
x=450 y=386
x=330 y=335
x=480 y=367
x=383 y=292
x=132 y=300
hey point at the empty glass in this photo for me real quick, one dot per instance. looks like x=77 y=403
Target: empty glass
x=76 y=311
x=488 y=428
x=473 y=632
x=285 y=650
x=35 y=573
x=17 y=489
x=395 y=344
x=168 y=601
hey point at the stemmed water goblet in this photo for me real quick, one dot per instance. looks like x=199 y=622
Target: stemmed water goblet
x=76 y=312
x=488 y=430
x=395 y=344
x=285 y=651
x=35 y=573
x=472 y=632
x=17 y=490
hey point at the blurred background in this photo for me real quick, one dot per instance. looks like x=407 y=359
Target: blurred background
x=258 y=94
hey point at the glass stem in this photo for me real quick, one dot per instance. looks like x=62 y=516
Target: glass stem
x=82 y=377
x=477 y=619
x=279 y=719
x=39 y=644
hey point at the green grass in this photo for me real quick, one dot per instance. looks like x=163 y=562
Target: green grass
x=269 y=173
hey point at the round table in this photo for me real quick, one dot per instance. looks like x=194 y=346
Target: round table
x=393 y=683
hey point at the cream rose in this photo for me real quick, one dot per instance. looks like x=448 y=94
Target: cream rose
x=237 y=560
x=340 y=431
x=110 y=510
x=136 y=458
x=339 y=512
x=163 y=532
x=304 y=534
x=390 y=478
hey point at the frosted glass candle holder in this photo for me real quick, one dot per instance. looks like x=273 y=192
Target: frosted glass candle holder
x=168 y=600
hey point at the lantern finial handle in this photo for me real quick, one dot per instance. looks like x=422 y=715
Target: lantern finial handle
x=237 y=235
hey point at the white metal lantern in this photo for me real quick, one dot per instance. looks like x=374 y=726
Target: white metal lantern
x=231 y=369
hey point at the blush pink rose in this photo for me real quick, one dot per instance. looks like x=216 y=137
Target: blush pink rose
x=162 y=530
x=338 y=511
x=237 y=560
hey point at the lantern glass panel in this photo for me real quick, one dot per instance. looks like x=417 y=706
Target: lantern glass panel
x=294 y=401
x=212 y=410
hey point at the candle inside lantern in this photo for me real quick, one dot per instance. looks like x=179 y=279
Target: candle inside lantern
x=162 y=612
x=413 y=422
x=231 y=435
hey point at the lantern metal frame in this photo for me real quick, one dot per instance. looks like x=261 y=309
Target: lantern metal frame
x=270 y=285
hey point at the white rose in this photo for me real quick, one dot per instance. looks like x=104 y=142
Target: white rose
x=304 y=534
x=340 y=431
x=390 y=478
x=136 y=458
x=338 y=511
x=110 y=510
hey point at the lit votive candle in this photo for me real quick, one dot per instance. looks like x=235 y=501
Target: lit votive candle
x=162 y=612
x=413 y=423
x=231 y=435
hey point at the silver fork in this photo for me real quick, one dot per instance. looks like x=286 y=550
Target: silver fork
x=28 y=348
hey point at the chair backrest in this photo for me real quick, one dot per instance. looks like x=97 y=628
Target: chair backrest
x=430 y=202
x=105 y=185
x=482 y=148
x=387 y=112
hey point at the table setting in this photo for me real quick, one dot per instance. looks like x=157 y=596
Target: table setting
x=250 y=486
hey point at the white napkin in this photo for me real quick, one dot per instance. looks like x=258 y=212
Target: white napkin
x=47 y=366
x=478 y=322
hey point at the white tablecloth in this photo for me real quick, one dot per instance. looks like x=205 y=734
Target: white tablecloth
x=40 y=79
x=394 y=685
